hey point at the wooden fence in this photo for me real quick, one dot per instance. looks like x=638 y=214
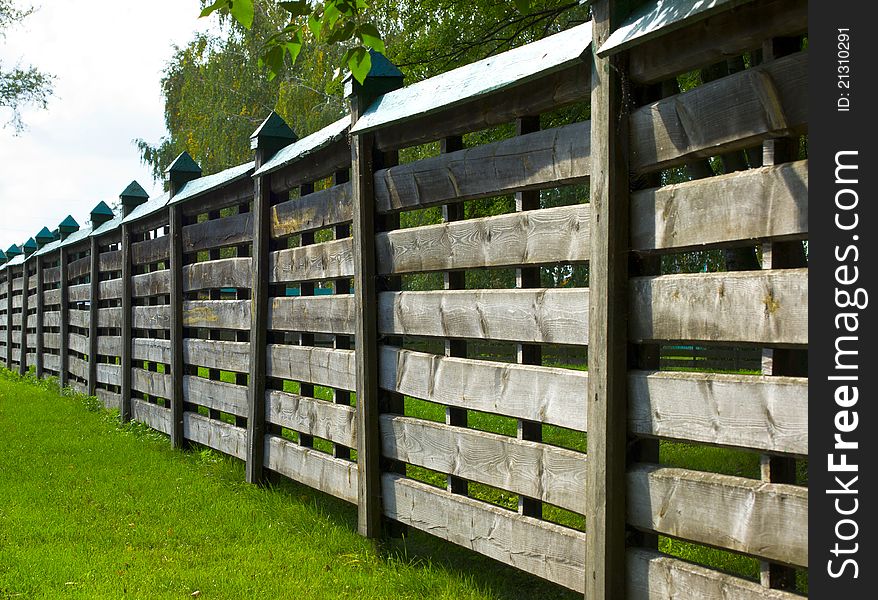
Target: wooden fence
x=196 y=312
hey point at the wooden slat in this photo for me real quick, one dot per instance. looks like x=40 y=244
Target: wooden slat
x=746 y=411
x=110 y=261
x=152 y=350
x=78 y=293
x=17 y=283
x=150 y=251
x=536 y=470
x=226 y=438
x=217 y=314
x=547 y=158
x=550 y=316
x=316 y=469
x=313 y=166
x=317 y=210
x=227 y=231
x=76 y=269
x=766 y=203
x=311 y=416
x=78 y=367
x=152 y=383
x=216 y=395
x=16 y=320
x=17 y=300
x=50 y=275
x=155 y=283
x=654 y=576
x=317 y=314
x=110 y=400
x=52 y=362
x=524 y=238
x=215 y=354
x=762 y=307
x=225 y=273
x=110 y=290
x=155 y=416
x=52 y=341
x=730 y=113
x=52 y=297
x=110 y=345
x=329 y=260
x=538 y=547
x=225 y=193
x=78 y=343
x=543 y=394
x=717 y=39
x=320 y=366
x=109 y=374
x=110 y=317
x=769 y=520
x=150 y=317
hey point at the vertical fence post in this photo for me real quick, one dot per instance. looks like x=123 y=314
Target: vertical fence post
x=29 y=247
x=67 y=226
x=100 y=214
x=270 y=137
x=383 y=77
x=607 y=344
x=11 y=253
x=181 y=171
x=39 y=317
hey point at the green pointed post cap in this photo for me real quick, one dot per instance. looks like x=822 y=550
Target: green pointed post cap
x=44 y=237
x=13 y=251
x=101 y=213
x=56 y=234
x=68 y=226
x=133 y=195
x=30 y=247
x=182 y=170
x=274 y=132
x=383 y=77
x=3 y=258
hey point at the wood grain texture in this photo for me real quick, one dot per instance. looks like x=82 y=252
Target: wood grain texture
x=315 y=469
x=52 y=362
x=730 y=113
x=769 y=520
x=224 y=273
x=51 y=341
x=217 y=314
x=312 y=166
x=218 y=435
x=654 y=576
x=77 y=367
x=745 y=411
x=546 y=158
x=329 y=260
x=152 y=350
x=52 y=297
x=50 y=275
x=761 y=307
x=536 y=470
x=110 y=345
x=150 y=251
x=149 y=382
x=75 y=269
x=75 y=293
x=227 y=231
x=551 y=316
x=110 y=400
x=333 y=422
x=316 y=314
x=544 y=394
x=110 y=261
x=52 y=318
x=155 y=416
x=216 y=354
x=77 y=318
x=78 y=343
x=109 y=317
x=538 y=547
x=155 y=283
x=108 y=374
x=150 y=317
x=318 y=210
x=320 y=366
x=526 y=238
x=216 y=395
x=766 y=203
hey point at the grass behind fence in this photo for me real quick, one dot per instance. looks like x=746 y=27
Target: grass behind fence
x=92 y=509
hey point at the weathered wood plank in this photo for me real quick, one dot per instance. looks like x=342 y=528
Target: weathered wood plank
x=110 y=345
x=50 y=275
x=151 y=350
x=524 y=238
x=333 y=422
x=543 y=394
x=536 y=470
x=315 y=469
x=109 y=317
x=320 y=366
x=766 y=203
x=78 y=343
x=717 y=39
x=225 y=273
x=109 y=374
x=76 y=293
x=216 y=354
x=762 y=307
x=52 y=297
x=16 y=321
x=78 y=367
x=155 y=283
x=227 y=231
x=538 y=547
x=17 y=300
x=52 y=362
x=233 y=194
x=76 y=269
x=217 y=314
x=218 y=435
x=769 y=520
x=152 y=383
x=110 y=289
x=313 y=166
x=329 y=260
x=318 y=210
x=654 y=576
x=546 y=158
x=150 y=317
x=150 y=251
x=551 y=316
x=78 y=318
x=110 y=261
x=155 y=416
x=316 y=314
x=745 y=411
x=52 y=341
x=217 y=395
x=110 y=400
x=727 y=114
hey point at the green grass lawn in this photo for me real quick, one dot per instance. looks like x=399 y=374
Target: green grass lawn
x=92 y=509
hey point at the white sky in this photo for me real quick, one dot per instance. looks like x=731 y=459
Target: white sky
x=107 y=56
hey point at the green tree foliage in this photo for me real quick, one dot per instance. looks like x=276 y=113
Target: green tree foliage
x=21 y=85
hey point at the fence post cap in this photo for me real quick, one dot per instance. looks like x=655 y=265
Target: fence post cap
x=44 y=237
x=133 y=195
x=383 y=77
x=272 y=134
x=13 y=251
x=101 y=213
x=68 y=226
x=3 y=258
x=29 y=247
x=182 y=170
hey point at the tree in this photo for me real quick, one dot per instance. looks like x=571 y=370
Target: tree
x=20 y=86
